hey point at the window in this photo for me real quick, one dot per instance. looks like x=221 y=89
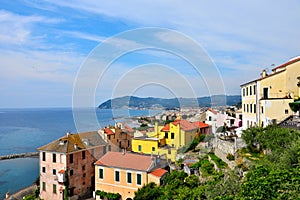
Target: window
x=54 y=171
x=254 y=89
x=44 y=186
x=286 y=111
x=139 y=179
x=83 y=155
x=254 y=108
x=83 y=167
x=129 y=177
x=104 y=150
x=244 y=108
x=44 y=169
x=172 y=135
x=71 y=158
x=246 y=91
x=54 y=157
x=247 y=107
x=251 y=108
x=100 y=173
x=209 y=118
x=166 y=134
x=262 y=109
x=265 y=93
x=83 y=175
x=71 y=172
x=54 y=188
x=250 y=90
x=153 y=148
x=44 y=156
x=117 y=176
x=140 y=148
x=243 y=91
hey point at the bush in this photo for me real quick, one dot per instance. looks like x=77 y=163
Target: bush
x=230 y=156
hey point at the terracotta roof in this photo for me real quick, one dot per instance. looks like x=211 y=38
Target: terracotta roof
x=159 y=172
x=108 y=131
x=286 y=64
x=166 y=128
x=126 y=161
x=201 y=124
x=274 y=71
x=213 y=111
x=185 y=125
x=128 y=129
x=69 y=142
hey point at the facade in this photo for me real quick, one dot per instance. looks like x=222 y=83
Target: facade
x=266 y=99
x=120 y=135
x=169 y=138
x=217 y=119
x=71 y=158
x=124 y=172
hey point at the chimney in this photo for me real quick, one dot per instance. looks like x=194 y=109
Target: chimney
x=264 y=73
x=76 y=146
x=68 y=133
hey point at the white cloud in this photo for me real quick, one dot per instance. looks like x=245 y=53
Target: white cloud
x=19 y=29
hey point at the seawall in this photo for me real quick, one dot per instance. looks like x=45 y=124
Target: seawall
x=19 y=155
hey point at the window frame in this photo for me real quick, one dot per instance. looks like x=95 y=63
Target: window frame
x=54 y=189
x=127 y=173
x=117 y=176
x=101 y=175
x=138 y=174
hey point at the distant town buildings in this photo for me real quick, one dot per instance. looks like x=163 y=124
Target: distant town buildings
x=266 y=100
x=169 y=138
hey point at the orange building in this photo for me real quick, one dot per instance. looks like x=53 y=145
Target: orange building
x=124 y=173
x=71 y=158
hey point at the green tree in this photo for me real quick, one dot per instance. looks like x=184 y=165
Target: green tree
x=148 y=192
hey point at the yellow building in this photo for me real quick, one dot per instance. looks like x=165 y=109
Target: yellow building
x=124 y=173
x=169 y=138
x=266 y=99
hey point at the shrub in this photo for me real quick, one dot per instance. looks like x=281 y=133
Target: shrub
x=230 y=156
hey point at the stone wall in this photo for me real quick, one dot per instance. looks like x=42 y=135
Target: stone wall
x=20 y=155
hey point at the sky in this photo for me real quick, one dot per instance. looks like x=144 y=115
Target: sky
x=54 y=53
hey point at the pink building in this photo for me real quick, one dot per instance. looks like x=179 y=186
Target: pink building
x=66 y=165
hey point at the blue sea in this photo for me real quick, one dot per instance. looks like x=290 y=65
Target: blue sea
x=23 y=130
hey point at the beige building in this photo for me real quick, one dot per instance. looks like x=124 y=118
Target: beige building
x=66 y=165
x=124 y=172
x=266 y=99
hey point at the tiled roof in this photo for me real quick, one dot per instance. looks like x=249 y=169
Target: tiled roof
x=108 y=131
x=74 y=142
x=166 y=128
x=213 y=111
x=159 y=172
x=286 y=64
x=126 y=161
x=275 y=72
x=201 y=124
x=185 y=125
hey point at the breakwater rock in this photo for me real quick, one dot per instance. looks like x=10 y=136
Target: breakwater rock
x=19 y=155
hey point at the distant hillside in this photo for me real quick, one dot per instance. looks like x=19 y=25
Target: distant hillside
x=151 y=102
